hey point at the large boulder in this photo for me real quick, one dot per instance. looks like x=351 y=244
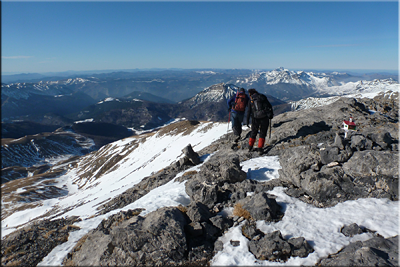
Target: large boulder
x=373 y=163
x=325 y=184
x=273 y=247
x=191 y=155
x=360 y=142
x=205 y=185
x=222 y=168
x=198 y=212
x=270 y=247
x=296 y=160
x=334 y=154
x=262 y=206
x=201 y=191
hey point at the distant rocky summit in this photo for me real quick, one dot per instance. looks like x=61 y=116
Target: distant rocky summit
x=320 y=165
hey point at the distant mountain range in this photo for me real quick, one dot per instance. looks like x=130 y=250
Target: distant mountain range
x=295 y=85
x=146 y=99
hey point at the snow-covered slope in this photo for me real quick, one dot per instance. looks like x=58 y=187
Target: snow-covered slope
x=43 y=148
x=102 y=175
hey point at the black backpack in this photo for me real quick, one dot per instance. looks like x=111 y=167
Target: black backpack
x=261 y=107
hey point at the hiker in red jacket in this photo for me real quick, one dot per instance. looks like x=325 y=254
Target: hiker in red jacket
x=261 y=113
x=237 y=106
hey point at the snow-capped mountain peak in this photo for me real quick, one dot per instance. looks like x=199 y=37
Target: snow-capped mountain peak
x=282 y=75
x=214 y=93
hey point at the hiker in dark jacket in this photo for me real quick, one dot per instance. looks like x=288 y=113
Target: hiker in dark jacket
x=260 y=112
x=237 y=106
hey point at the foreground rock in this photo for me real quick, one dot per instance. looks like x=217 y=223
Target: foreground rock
x=262 y=206
x=165 y=237
x=157 y=239
x=377 y=251
x=28 y=246
x=272 y=246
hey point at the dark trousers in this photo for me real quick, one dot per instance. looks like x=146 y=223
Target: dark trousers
x=237 y=119
x=259 y=124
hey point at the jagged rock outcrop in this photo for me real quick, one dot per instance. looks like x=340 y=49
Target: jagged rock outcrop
x=205 y=186
x=325 y=168
x=158 y=239
x=192 y=156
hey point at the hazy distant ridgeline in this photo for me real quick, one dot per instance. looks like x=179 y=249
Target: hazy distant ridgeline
x=145 y=99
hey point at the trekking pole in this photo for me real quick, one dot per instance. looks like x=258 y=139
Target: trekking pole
x=270 y=126
x=229 y=118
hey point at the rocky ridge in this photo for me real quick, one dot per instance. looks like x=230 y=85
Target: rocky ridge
x=319 y=166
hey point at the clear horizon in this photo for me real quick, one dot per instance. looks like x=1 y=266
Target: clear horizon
x=72 y=72
x=43 y=37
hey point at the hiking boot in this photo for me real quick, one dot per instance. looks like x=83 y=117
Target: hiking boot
x=251 y=143
x=237 y=139
x=260 y=151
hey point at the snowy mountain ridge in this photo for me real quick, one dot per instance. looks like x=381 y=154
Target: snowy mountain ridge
x=42 y=87
x=214 y=93
x=282 y=75
x=311 y=102
x=321 y=83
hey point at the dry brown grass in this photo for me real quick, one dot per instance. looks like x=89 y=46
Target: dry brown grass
x=208 y=127
x=49 y=233
x=189 y=173
x=14 y=263
x=8 y=250
x=238 y=210
x=181 y=127
x=63 y=238
x=183 y=209
x=68 y=261
x=12 y=257
x=70 y=226
x=79 y=244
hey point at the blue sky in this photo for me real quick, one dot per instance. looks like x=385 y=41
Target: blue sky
x=60 y=36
